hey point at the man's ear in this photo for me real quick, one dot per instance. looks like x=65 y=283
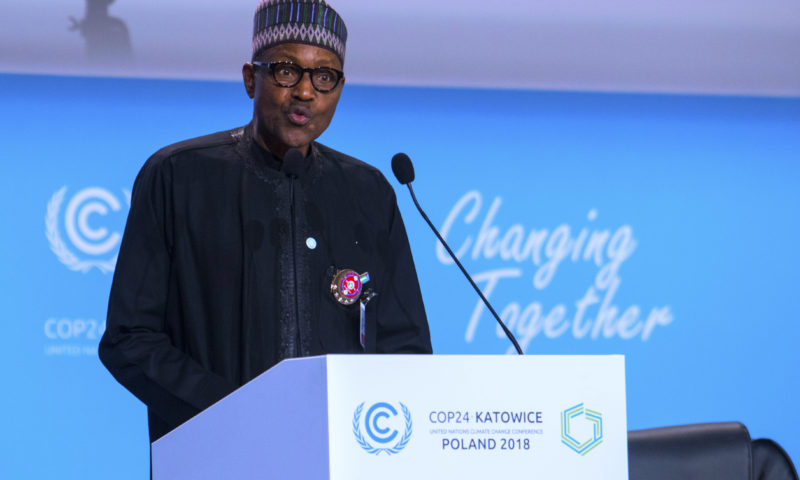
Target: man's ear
x=249 y=78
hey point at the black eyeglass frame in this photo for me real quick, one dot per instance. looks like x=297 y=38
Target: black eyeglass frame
x=271 y=66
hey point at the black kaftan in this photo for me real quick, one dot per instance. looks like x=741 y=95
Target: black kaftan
x=217 y=279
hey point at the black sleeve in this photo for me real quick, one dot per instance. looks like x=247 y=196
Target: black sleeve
x=136 y=347
x=402 y=323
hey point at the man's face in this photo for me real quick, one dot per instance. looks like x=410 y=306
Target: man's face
x=291 y=117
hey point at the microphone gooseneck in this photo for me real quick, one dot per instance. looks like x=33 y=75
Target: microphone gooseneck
x=404 y=172
x=294 y=166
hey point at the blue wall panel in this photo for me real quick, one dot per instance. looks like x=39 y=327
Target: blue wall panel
x=696 y=196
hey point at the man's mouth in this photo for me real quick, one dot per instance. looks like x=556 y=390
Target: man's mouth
x=299 y=115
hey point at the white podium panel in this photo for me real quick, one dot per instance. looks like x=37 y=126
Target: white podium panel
x=393 y=417
x=477 y=417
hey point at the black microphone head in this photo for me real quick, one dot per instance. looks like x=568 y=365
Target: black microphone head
x=294 y=163
x=403 y=168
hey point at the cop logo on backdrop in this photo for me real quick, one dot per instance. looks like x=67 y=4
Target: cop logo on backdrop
x=386 y=429
x=81 y=228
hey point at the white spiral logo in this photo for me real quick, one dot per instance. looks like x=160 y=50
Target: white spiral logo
x=82 y=211
x=76 y=221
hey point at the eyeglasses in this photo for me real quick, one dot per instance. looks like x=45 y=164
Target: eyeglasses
x=288 y=74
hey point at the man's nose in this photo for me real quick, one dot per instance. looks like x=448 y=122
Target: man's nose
x=304 y=90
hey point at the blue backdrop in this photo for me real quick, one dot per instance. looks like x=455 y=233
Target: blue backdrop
x=661 y=227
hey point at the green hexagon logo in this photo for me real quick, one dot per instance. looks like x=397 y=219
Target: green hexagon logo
x=581 y=429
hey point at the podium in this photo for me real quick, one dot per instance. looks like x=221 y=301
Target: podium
x=350 y=417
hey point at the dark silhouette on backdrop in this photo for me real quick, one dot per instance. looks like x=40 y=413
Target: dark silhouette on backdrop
x=107 y=38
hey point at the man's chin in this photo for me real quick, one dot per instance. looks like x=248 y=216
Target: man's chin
x=299 y=142
x=287 y=139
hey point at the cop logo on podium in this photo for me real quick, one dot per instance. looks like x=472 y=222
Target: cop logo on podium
x=386 y=429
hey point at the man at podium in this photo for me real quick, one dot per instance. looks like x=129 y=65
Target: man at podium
x=249 y=246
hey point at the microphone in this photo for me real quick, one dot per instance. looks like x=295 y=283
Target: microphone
x=403 y=169
x=294 y=163
x=404 y=172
